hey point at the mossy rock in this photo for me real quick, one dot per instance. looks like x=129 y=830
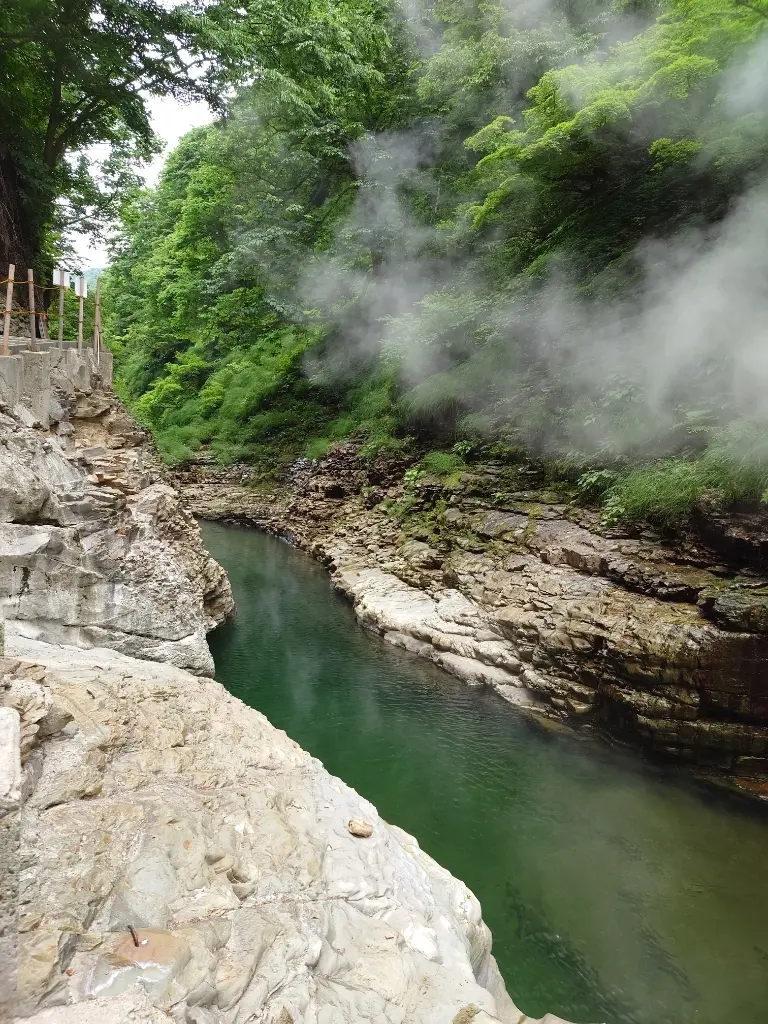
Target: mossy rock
x=738 y=607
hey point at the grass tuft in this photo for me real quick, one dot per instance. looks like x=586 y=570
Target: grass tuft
x=733 y=468
x=441 y=463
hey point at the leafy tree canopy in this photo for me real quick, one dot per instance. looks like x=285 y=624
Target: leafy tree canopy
x=464 y=221
x=75 y=73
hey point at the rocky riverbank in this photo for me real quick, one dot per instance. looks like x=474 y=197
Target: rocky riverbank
x=167 y=853
x=258 y=887
x=508 y=583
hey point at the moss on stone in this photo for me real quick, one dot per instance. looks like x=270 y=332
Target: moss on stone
x=466 y=1014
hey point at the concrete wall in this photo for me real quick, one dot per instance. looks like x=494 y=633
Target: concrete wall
x=36 y=385
x=11 y=377
x=26 y=376
x=106 y=366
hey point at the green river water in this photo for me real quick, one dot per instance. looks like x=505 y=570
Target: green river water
x=615 y=891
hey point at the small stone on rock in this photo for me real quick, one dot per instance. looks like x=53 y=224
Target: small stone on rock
x=359 y=828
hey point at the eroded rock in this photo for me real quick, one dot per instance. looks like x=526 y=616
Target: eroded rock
x=224 y=850
x=96 y=551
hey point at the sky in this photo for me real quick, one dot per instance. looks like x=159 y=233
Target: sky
x=171 y=120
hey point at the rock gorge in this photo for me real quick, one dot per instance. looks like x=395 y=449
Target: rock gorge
x=504 y=582
x=168 y=853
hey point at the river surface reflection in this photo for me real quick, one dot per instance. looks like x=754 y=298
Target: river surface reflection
x=615 y=891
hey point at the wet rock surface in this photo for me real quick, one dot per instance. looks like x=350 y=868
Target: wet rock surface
x=506 y=584
x=182 y=859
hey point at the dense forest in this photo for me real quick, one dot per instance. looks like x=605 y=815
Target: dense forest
x=530 y=228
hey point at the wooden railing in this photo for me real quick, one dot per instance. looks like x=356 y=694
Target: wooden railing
x=61 y=285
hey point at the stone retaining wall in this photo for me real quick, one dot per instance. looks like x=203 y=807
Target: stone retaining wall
x=26 y=376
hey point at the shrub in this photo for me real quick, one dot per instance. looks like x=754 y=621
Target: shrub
x=734 y=468
x=442 y=463
x=594 y=484
x=664 y=493
x=318 y=447
x=173 y=446
x=385 y=444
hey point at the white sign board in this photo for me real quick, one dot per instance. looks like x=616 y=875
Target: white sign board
x=81 y=287
x=61 y=278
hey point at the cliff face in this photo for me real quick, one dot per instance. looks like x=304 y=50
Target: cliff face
x=95 y=550
x=504 y=584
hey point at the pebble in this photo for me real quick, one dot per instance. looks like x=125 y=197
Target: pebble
x=360 y=828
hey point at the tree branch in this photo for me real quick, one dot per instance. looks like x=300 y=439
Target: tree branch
x=11 y=37
x=61 y=142
x=54 y=117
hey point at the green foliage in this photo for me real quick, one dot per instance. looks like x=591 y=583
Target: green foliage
x=442 y=463
x=733 y=468
x=213 y=349
x=436 y=204
x=318 y=447
x=385 y=444
x=463 y=448
x=664 y=494
x=593 y=484
x=76 y=74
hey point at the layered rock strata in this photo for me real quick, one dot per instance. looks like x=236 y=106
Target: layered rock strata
x=505 y=584
x=96 y=549
x=184 y=860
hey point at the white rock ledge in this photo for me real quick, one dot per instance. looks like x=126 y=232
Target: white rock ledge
x=96 y=551
x=166 y=804
x=449 y=630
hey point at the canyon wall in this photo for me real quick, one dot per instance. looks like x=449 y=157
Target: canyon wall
x=96 y=550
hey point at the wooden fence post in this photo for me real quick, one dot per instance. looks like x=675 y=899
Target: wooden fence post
x=62 y=280
x=96 y=319
x=32 y=318
x=81 y=291
x=8 y=307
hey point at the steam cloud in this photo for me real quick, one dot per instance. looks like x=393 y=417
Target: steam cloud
x=701 y=311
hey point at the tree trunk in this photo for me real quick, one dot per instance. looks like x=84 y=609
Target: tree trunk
x=19 y=245
x=17 y=241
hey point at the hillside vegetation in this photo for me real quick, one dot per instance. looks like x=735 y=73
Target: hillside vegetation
x=537 y=226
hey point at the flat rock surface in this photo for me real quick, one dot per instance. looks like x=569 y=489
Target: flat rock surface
x=156 y=800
